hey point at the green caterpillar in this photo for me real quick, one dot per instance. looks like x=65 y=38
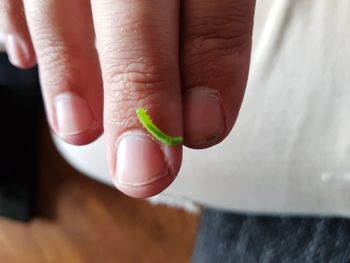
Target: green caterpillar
x=147 y=123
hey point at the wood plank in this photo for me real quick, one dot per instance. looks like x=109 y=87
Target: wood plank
x=80 y=220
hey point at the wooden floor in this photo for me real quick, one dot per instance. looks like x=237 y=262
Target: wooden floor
x=84 y=221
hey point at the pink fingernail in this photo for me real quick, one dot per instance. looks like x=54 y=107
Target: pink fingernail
x=204 y=119
x=73 y=115
x=18 y=52
x=140 y=161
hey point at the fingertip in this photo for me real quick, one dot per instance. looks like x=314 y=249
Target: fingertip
x=143 y=166
x=148 y=190
x=203 y=117
x=20 y=52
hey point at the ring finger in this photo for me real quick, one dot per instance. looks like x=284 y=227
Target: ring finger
x=216 y=47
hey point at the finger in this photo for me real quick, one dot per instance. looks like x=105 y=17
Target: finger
x=63 y=38
x=216 y=46
x=138 y=48
x=14 y=28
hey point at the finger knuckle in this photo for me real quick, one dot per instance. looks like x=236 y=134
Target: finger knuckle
x=220 y=35
x=216 y=44
x=135 y=79
x=120 y=110
x=132 y=84
x=59 y=64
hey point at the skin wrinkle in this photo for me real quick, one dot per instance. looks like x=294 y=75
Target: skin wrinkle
x=118 y=79
x=145 y=70
x=67 y=72
x=199 y=76
x=129 y=87
x=219 y=32
x=219 y=27
x=120 y=111
x=134 y=91
x=59 y=57
x=216 y=47
x=231 y=24
x=140 y=30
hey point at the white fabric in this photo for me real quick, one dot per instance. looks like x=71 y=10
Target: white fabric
x=290 y=149
x=2 y=48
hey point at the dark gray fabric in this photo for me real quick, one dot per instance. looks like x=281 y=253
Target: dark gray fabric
x=20 y=105
x=225 y=237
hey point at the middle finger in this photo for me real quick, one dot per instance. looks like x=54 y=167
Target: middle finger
x=138 y=47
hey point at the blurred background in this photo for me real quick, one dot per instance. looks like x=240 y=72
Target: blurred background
x=49 y=212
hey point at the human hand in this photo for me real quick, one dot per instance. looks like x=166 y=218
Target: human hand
x=185 y=62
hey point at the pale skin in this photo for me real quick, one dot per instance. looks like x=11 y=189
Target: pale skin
x=186 y=62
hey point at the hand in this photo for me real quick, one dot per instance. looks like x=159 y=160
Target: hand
x=187 y=63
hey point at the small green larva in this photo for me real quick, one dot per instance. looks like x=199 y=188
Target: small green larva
x=147 y=123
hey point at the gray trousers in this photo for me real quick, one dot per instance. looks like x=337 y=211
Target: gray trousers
x=225 y=237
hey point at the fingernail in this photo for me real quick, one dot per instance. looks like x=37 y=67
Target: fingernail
x=140 y=161
x=204 y=119
x=17 y=51
x=73 y=115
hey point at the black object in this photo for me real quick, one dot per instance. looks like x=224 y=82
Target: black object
x=20 y=105
x=227 y=237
